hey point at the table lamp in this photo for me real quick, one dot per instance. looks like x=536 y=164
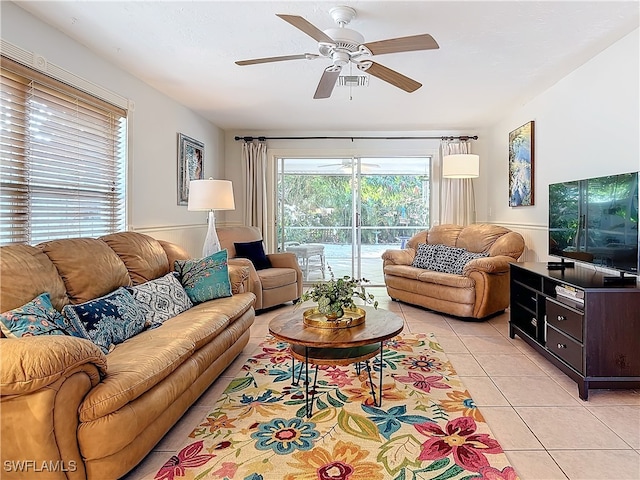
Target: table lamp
x=210 y=195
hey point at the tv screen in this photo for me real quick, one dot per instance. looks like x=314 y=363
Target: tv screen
x=595 y=220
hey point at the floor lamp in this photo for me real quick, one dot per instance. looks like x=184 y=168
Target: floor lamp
x=210 y=195
x=462 y=166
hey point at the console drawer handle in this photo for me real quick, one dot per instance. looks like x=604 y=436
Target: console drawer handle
x=562 y=345
x=561 y=318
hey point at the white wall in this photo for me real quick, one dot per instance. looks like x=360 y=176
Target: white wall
x=586 y=125
x=153 y=129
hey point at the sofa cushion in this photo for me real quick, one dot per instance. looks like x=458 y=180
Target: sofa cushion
x=140 y=364
x=277 y=277
x=88 y=267
x=143 y=255
x=134 y=368
x=37 y=317
x=479 y=237
x=107 y=320
x=446 y=279
x=425 y=255
x=161 y=299
x=174 y=252
x=205 y=278
x=26 y=273
x=206 y=320
x=254 y=251
x=446 y=234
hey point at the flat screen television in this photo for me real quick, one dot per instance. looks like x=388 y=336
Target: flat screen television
x=595 y=220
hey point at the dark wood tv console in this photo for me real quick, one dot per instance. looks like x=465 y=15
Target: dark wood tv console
x=595 y=342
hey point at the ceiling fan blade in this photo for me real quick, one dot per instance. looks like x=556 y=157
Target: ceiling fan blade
x=327 y=82
x=403 y=44
x=390 y=76
x=302 y=56
x=308 y=28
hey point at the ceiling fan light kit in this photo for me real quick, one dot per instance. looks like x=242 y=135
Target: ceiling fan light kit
x=343 y=45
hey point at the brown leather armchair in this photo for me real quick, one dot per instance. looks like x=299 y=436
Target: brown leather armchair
x=480 y=291
x=271 y=286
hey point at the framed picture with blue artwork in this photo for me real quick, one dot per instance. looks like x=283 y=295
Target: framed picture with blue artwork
x=521 y=166
x=190 y=165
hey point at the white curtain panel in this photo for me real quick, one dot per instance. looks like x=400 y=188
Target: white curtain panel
x=457 y=195
x=254 y=166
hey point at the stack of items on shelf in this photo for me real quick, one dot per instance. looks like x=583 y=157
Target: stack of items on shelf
x=572 y=293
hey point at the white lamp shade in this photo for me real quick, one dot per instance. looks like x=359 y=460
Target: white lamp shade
x=211 y=195
x=461 y=165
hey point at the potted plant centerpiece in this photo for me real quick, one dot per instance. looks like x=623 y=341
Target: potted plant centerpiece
x=335 y=301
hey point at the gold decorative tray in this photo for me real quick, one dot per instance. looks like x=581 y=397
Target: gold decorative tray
x=351 y=318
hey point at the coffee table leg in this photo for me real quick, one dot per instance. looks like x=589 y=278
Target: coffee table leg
x=309 y=402
x=380 y=384
x=295 y=382
x=377 y=400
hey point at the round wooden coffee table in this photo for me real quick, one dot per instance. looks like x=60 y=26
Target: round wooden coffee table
x=336 y=346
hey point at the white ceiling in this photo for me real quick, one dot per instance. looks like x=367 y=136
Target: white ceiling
x=493 y=56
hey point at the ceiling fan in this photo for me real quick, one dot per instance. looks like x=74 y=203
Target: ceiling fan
x=347 y=166
x=343 y=45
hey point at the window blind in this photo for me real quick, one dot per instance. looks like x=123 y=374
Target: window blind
x=62 y=171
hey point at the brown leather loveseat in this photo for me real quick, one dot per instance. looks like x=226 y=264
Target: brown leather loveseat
x=479 y=287
x=78 y=413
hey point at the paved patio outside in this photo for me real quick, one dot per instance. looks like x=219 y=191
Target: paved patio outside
x=339 y=258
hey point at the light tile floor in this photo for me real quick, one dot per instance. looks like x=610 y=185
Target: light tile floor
x=533 y=409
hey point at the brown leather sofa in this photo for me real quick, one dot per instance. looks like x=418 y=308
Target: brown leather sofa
x=66 y=405
x=480 y=291
x=271 y=286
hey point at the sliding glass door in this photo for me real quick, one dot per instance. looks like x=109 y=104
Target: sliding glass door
x=339 y=214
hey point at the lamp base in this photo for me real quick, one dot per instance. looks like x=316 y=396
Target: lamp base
x=211 y=242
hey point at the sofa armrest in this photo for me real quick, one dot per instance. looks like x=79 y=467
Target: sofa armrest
x=43 y=382
x=239 y=278
x=398 y=257
x=30 y=364
x=284 y=260
x=493 y=265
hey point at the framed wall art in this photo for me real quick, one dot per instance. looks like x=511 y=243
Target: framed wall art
x=190 y=165
x=521 y=166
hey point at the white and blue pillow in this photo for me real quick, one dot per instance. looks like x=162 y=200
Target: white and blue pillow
x=426 y=255
x=161 y=299
x=442 y=258
x=107 y=320
x=464 y=258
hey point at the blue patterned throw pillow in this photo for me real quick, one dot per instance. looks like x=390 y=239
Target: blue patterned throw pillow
x=205 y=278
x=161 y=299
x=108 y=320
x=37 y=317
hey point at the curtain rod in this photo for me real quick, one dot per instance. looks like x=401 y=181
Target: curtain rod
x=262 y=139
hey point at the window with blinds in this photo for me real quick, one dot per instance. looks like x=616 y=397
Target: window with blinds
x=62 y=171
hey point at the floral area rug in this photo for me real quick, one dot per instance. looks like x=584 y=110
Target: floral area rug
x=427 y=427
